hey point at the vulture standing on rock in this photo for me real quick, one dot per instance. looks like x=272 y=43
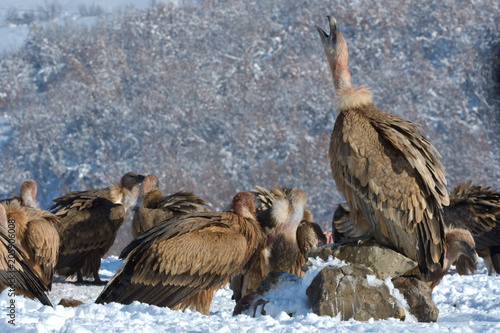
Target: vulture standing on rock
x=459 y=242
x=287 y=236
x=88 y=223
x=154 y=208
x=386 y=169
x=35 y=231
x=476 y=209
x=15 y=269
x=185 y=257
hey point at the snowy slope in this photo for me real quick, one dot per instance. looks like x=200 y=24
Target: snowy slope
x=466 y=304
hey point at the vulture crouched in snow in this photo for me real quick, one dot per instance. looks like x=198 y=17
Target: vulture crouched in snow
x=15 y=269
x=88 y=223
x=386 y=169
x=287 y=235
x=476 y=209
x=153 y=208
x=175 y=263
x=35 y=231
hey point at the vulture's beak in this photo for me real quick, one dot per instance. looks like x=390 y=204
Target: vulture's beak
x=472 y=254
x=328 y=38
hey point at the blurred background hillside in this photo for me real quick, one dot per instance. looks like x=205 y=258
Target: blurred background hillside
x=216 y=97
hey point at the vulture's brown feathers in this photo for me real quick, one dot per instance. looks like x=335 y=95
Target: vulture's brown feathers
x=386 y=169
x=15 y=269
x=35 y=231
x=177 y=259
x=287 y=235
x=88 y=223
x=153 y=207
x=476 y=209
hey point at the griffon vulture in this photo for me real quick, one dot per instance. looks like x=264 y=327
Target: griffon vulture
x=35 y=231
x=459 y=243
x=171 y=263
x=288 y=235
x=476 y=209
x=15 y=269
x=27 y=196
x=88 y=223
x=386 y=169
x=153 y=207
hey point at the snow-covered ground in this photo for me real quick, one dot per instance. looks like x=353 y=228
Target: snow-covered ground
x=14 y=32
x=466 y=304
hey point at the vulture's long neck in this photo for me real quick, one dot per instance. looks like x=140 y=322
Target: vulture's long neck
x=347 y=96
x=152 y=198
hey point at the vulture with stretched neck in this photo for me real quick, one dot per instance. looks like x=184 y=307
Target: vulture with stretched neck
x=153 y=207
x=180 y=262
x=16 y=272
x=35 y=231
x=88 y=223
x=27 y=196
x=476 y=209
x=287 y=235
x=386 y=169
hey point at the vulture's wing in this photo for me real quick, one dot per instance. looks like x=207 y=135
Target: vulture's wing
x=86 y=226
x=42 y=240
x=392 y=177
x=476 y=209
x=181 y=203
x=20 y=271
x=175 y=260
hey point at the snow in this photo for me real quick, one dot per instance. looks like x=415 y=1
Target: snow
x=466 y=304
x=13 y=35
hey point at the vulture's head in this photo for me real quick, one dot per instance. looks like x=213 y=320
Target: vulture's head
x=131 y=180
x=149 y=184
x=459 y=242
x=28 y=193
x=244 y=204
x=335 y=48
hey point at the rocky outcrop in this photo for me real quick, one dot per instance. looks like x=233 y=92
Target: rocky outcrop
x=419 y=298
x=347 y=291
x=383 y=261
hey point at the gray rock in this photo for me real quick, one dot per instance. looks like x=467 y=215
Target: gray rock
x=346 y=291
x=383 y=261
x=419 y=298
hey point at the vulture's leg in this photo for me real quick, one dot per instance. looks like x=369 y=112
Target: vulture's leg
x=495 y=258
x=97 y=279
x=79 y=277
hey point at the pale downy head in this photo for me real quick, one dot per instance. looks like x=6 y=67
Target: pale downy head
x=460 y=242
x=28 y=193
x=131 y=180
x=149 y=184
x=244 y=204
x=128 y=185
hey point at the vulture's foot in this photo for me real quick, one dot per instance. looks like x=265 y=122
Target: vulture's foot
x=360 y=240
x=262 y=302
